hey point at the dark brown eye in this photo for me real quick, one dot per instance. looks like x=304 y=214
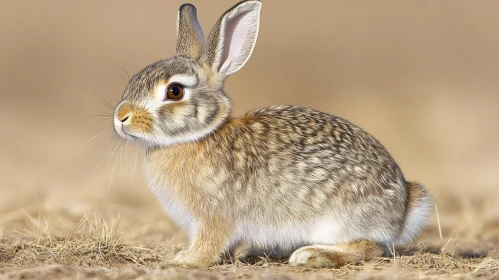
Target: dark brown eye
x=174 y=92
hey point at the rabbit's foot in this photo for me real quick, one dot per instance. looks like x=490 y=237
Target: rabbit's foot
x=186 y=258
x=335 y=255
x=207 y=245
x=180 y=255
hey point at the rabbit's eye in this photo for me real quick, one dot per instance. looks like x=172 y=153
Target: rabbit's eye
x=174 y=92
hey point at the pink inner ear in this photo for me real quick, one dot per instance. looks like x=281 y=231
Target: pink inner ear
x=236 y=31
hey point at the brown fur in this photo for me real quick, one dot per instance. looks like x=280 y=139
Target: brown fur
x=175 y=108
x=141 y=120
x=416 y=193
x=189 y=35
x=123 y=111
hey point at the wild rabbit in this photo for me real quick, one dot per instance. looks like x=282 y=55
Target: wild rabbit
x=281 y=178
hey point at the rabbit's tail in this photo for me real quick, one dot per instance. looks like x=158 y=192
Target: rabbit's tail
x=419 y=206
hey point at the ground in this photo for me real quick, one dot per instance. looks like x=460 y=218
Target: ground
x=122 y=241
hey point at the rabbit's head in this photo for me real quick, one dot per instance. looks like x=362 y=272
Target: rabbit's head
x=181 y=99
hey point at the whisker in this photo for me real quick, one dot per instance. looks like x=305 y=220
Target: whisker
x=123 y=68
x=103 y=116
x=105 y=102
x=117 y=140
x=93 y=137
x=120 y=142
x=126 y=152
x=111 y=176
x=124 y=77
x=113 y=137
x=135 y=162
x=109 y=136
x=120 y=151
x=99 y=164
x=118 y=157
x=104 y=113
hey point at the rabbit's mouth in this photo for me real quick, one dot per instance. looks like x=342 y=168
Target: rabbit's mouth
x=125 y=131
x=128 y=134
x=122 y=130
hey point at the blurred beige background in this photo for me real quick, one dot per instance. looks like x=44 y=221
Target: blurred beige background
x=421 y=76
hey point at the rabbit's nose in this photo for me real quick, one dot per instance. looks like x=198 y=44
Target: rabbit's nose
x=124 y=112
x=124 y=119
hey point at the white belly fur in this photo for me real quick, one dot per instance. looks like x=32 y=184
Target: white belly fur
x=175 y=210
x=284 y=239
x=332 y=228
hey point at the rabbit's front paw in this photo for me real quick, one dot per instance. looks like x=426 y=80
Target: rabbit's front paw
x=188 y=259
x=180 y=256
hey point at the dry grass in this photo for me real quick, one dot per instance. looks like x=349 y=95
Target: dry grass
x=111 y=247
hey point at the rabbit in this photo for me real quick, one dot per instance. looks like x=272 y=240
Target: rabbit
x=307 y=184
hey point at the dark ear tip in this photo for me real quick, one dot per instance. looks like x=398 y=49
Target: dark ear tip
x=254 y=1
x=187 y=8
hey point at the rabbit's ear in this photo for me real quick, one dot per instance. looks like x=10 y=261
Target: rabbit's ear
x=190 y=38
x=233 y=38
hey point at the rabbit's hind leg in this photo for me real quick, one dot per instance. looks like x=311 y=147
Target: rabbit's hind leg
x=335 y=255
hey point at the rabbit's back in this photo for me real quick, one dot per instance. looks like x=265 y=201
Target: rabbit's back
x=312 y=145
x=307 y=149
